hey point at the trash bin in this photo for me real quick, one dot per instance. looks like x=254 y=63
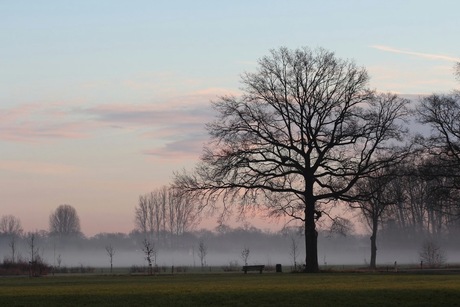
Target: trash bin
x=279 y=268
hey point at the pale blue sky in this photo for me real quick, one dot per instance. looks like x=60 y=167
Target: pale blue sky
x=101 y=101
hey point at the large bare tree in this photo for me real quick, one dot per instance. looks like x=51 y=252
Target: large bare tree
x=64 y=221
x=306 y=129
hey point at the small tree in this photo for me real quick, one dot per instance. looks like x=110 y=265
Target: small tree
x=432 y=254
x=294 y=249
x=34 y=256
x=59 y=261
x=150 y=254
x=12 y=245
x=457 y=70
x=111 y=252
x=33 y=249
x=202 y=252
x=245 y=255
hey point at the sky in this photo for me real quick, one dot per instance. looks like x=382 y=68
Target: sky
x=103 y=100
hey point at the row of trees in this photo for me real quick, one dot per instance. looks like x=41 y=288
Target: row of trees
x=165 y=213
x=63 y=222
x=409 y=202
x=406 y=203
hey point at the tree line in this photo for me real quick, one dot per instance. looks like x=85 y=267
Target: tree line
x=165 y=213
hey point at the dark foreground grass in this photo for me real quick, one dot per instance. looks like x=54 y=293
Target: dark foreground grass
x=325 y=289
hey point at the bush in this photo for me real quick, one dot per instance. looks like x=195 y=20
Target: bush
x=432 y=255
x=22 y=267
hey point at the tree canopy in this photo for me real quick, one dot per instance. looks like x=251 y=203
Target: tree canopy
x=306 y=129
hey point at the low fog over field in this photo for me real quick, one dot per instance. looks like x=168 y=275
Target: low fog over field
x=224 y=249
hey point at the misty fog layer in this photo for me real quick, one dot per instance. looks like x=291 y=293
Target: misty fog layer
x=224 y=249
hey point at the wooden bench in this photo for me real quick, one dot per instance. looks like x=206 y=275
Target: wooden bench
x=247 y=268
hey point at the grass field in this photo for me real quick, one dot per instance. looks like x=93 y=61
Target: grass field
x=234 y=289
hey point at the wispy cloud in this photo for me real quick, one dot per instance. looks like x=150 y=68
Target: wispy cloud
x=37 y=122
x=187 y=147
x=173 y=129
x=176 y=129
x=37 y=167
x=430 y=56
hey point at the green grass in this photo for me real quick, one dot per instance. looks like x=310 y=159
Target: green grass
x=234 y=289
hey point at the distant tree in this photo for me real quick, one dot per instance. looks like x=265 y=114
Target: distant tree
x=33 y=249
x=59 y=261
x=110 y=252
x=294 y=246
x=305 y=131
x=183 y=213
x=150 y=213
x=432 y=255
x=12 y=245
x=165 y=210
x=374 y=197
x=245 y=255
x=202 y=252
x=150 y=254
x=37 y=265
x=457 y=70
x=427 y=191
x=10 y=226
x=64 y=221
x=142 y=215
x=293 y=234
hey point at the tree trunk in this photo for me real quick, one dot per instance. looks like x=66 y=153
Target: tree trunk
x=374 y=244
x=311 y=237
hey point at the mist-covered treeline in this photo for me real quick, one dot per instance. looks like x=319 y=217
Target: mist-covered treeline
x=224 y=247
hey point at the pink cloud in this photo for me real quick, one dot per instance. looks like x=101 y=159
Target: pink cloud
x=176 y=127
x=36 y=122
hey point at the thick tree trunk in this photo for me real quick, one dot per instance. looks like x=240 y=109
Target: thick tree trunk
x=311 y=237
x=374 y=244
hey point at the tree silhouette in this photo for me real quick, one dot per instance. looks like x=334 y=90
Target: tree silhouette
x=375 y=195
x=304 y=132
x=65 y=221
x=442 y=114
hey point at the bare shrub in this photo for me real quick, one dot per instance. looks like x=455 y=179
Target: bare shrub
x=245 y=255
x=202 y=252
x=432 y=255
